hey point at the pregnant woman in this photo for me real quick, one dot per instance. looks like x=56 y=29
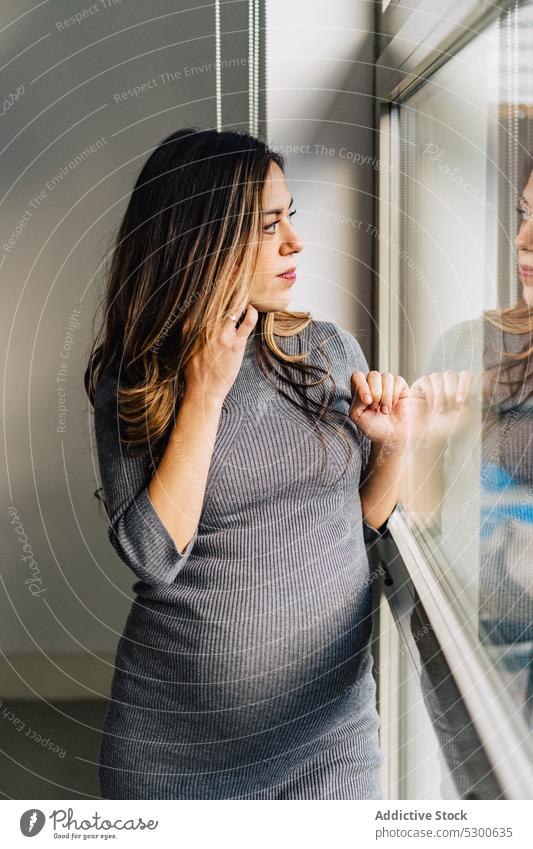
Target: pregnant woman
x=246 y=454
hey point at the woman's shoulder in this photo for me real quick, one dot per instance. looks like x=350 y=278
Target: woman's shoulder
x=341 y=344
x=106 y=386
x=106 y=398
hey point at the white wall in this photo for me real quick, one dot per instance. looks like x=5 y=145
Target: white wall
x=320 y=105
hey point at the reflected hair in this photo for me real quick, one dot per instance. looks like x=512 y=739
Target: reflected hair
x=514 y=371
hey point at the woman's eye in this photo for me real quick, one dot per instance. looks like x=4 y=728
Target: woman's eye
x=269 y=228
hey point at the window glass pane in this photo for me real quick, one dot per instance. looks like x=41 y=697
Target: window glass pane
x=465 y=265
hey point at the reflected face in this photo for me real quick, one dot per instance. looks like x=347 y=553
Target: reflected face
x=279 y=247
x=524 y=241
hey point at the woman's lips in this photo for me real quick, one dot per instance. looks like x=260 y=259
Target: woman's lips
x=526 y=271
x=288 y=275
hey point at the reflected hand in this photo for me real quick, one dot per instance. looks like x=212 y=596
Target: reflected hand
x=379 y=406
x=439 y=406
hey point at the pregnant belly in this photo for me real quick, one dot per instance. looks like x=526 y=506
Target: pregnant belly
x=247 y=663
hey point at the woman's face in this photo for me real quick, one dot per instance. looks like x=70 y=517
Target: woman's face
x=524 y=242
x=269 y=291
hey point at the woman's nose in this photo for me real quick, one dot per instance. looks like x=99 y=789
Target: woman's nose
x=524 y=237
x=292 y=242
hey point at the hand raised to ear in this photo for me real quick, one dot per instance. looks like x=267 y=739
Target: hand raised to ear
x=211 y=371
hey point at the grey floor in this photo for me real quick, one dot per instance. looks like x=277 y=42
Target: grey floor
x=29 y=770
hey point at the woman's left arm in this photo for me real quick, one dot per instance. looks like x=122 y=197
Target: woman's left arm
x=380 y=409
x=379 y=492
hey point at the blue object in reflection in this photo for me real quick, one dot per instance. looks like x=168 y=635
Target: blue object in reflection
x=496 y=480
x=507 y=500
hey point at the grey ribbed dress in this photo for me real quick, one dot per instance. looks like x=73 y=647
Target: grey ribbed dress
x=244 y=669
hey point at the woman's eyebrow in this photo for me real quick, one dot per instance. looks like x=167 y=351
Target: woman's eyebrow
x=276 y=211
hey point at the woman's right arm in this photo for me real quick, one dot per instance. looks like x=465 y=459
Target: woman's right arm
x=177 y=488
x=153 y=523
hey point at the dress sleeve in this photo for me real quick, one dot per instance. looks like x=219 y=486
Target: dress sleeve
x=135 y=530
x=356 y=361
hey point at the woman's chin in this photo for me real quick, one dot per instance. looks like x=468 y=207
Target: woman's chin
x=527 y=293
x=275 y=304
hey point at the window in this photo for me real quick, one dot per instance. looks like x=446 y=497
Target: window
x=459 y=299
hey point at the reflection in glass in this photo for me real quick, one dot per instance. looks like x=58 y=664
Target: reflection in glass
x=466 y=287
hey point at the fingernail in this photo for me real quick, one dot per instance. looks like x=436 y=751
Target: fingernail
x=367 y=399
x=385 y=409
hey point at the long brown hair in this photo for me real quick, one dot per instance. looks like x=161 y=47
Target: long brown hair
x=518 y=319
x=188 y=241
